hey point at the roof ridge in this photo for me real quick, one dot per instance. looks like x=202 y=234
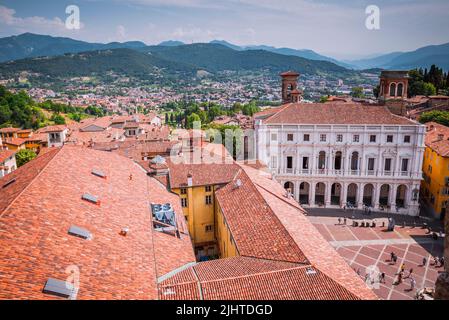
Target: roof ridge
x=282 y=108
x=261 y=273
x=57 y=151
x=280 y=198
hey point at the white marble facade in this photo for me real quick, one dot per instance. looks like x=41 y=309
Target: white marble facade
x=376 y=166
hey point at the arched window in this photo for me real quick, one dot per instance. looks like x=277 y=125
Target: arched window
x=392 y=89
x=400 y=89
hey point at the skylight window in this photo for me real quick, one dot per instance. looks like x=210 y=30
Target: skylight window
x=80 y=232
x=90 y=198
x=60 y=288
x=9 y=183
x=99 y=173
x=164 y=219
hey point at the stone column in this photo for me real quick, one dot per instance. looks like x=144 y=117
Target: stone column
x=327 y=194
x=312 y=194
x=343 y=194
x=296 y=193
x=360 y=196
x=376 y=194
x=392 y=198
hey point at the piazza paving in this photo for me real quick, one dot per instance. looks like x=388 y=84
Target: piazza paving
x=369 y=248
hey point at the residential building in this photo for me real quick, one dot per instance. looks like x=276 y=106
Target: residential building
x=7 y=161
x=339 y=154
x=435 y=185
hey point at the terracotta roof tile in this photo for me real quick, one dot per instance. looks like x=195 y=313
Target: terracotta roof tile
x=437 y=138
x=335 y=113
x=45 y=201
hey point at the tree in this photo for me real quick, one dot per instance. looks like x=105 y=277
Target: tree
x=357 y=92
x=441 y=117
x=57 y=119
x=24 y=156
x=191 y=119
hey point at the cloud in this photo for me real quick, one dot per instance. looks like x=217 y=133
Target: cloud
x=195 y=34
x=121 y=32
x=8 y=17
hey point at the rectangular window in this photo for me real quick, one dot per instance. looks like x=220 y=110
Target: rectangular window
x=289 y=162
x=390 y=138
x=404 y=165
x=274 y=137
x=322 y=137
x=290 y=137
x=339 y=138
x=356 y=138
x=387 y=166
x=274 y=161
x=371 y=164
x=208 y=188
x=305 y=163
x=372 y=138
x=184 y=202
x=183 y=191
x=307 y=137
x=209 y=228
x=208 y=199
x=406 y=139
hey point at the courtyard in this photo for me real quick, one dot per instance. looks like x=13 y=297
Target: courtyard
x=369 y=248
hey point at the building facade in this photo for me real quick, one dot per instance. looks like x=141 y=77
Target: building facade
x=343 y=155
x=435 y=184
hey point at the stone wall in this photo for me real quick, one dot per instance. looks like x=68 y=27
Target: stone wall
x=442 y=284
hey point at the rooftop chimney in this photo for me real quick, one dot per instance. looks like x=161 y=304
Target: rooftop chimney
x=189 y=180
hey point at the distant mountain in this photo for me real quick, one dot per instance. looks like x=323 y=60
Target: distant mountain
x=171 y=43
x=214 y=57
x=121 y=61
x=33 y=45
x=308 y=54
x=168 y=62
x=227 y=44
x=374 y=62
x=421 y=58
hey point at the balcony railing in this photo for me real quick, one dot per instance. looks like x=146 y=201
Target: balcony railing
x=330 y=172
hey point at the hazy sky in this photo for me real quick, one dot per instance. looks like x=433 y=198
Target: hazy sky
x=332 y=27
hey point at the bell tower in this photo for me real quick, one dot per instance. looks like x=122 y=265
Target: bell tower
x=393 y=90
x=290 y=92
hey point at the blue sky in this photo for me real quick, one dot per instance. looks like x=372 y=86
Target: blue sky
x=332 y=27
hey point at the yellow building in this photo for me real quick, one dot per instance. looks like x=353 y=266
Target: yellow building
x=14 y=144
x=435 y=185
x=197 y=192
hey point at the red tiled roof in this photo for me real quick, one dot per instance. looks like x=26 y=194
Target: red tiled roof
x=14 y=141
x=9 y=130
x=437 y=138
x=55 y=128
x=289 y=73
x=202 y=174
x=243 y=278
x=254 y=226
x=5 y=154
x=298 y=263
x=45 y=201
x=335 y=113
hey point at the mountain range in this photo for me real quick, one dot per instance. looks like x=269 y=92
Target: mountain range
x=56 y=56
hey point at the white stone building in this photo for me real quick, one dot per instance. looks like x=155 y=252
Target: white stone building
x=343 y=154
